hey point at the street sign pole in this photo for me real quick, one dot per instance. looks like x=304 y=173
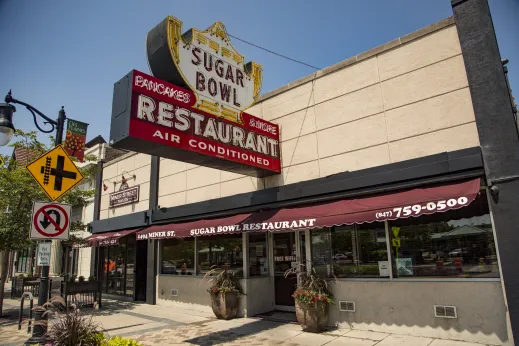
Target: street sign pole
x=39 y=331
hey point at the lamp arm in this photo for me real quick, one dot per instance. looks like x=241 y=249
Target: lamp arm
x=53 y=127
x=54 y=123
x=9 y=99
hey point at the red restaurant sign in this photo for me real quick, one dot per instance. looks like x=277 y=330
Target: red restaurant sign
x=159 y=118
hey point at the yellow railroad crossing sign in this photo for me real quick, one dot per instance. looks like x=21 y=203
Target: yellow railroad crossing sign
x=55 y=172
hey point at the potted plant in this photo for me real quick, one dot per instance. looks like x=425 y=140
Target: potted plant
x=225 y=291
x=312 y=297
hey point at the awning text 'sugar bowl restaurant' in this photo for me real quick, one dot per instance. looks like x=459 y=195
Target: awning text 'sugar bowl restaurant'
x=370 y=171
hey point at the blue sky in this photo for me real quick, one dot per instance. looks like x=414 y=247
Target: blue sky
x=62 y=52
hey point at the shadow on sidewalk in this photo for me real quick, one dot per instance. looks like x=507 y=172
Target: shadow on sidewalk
x=232 y=334
x=111 y=307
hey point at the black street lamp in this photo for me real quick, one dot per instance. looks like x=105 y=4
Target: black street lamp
x=6 y=133
x=6 y=120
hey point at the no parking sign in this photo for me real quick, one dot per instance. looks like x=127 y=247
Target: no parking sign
x=50 y=221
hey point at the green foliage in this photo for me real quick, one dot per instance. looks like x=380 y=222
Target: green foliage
x=224 y=281
x=312 y=287
x=70 y=327
x=81 y=278
x=72 y=278
x=91 y=278
x=119 y=341
x=18 y=191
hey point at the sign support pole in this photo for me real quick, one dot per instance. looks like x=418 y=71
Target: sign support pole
x=38 y=331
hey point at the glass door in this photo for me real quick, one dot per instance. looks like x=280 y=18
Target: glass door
x=286 y=256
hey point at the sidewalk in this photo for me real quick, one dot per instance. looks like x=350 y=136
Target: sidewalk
x=159 y=325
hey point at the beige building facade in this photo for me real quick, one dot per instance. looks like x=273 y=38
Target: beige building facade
x=398 y=118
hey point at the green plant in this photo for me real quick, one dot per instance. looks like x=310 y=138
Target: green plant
x=69 y=326
x=118 y=341
x=20 y=276
x=224 y=281
x=312 y=287
x=81 y=278
x=72 y=278
x=91 y=278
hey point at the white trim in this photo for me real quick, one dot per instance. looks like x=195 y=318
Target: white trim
x=388 y=247
x=308 y=249
x=245 y=254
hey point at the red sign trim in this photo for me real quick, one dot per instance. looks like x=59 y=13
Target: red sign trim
x=42 y=210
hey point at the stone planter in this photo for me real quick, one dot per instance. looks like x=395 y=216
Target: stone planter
x=312 y=317
x=225 y=305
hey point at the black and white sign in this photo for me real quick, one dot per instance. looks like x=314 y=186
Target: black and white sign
x=126 y=196
x=50 y=221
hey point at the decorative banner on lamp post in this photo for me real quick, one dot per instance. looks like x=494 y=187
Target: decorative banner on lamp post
x=76 y=139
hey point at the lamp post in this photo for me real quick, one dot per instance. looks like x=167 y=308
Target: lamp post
x=6 y=133
x=6 y=120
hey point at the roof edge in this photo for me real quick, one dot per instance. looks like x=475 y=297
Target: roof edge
x=360 y=57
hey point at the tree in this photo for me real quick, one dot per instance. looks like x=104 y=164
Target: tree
x=18 y=191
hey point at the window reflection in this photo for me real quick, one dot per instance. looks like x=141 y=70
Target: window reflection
x=351 y=251
x=458 y=243
x=258 y=259
x=222 y=251
x=178 y=256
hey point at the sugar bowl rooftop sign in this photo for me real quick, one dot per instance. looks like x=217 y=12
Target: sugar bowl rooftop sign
x=193 y=107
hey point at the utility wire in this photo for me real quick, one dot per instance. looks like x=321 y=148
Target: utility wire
x=271 y=52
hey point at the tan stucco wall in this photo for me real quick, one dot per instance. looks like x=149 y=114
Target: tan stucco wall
x=129 y=164
x=403 y=103
x=407 y=307
x=259 y=295
x=403 y=307
x=84 y=257
x=396 y=104
x=192 y=293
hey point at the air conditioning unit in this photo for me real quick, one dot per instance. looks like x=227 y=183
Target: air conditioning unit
x=346 y=306
x=445 y=311
x=174 y=292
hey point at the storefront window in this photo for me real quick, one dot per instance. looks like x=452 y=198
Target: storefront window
x=258 y=259
x=130 y=265
x=115 y=269
x=178 y=256
x=458 y=243
x=222 y=251
x=351 y=251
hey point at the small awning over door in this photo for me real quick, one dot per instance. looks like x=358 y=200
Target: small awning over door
x=390 y=206
x=108 y=238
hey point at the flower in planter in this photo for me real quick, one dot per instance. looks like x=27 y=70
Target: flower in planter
x=224 y=281
x=312 y=288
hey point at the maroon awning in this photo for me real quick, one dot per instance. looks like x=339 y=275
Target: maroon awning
x=391 y=206
x=108 y=238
